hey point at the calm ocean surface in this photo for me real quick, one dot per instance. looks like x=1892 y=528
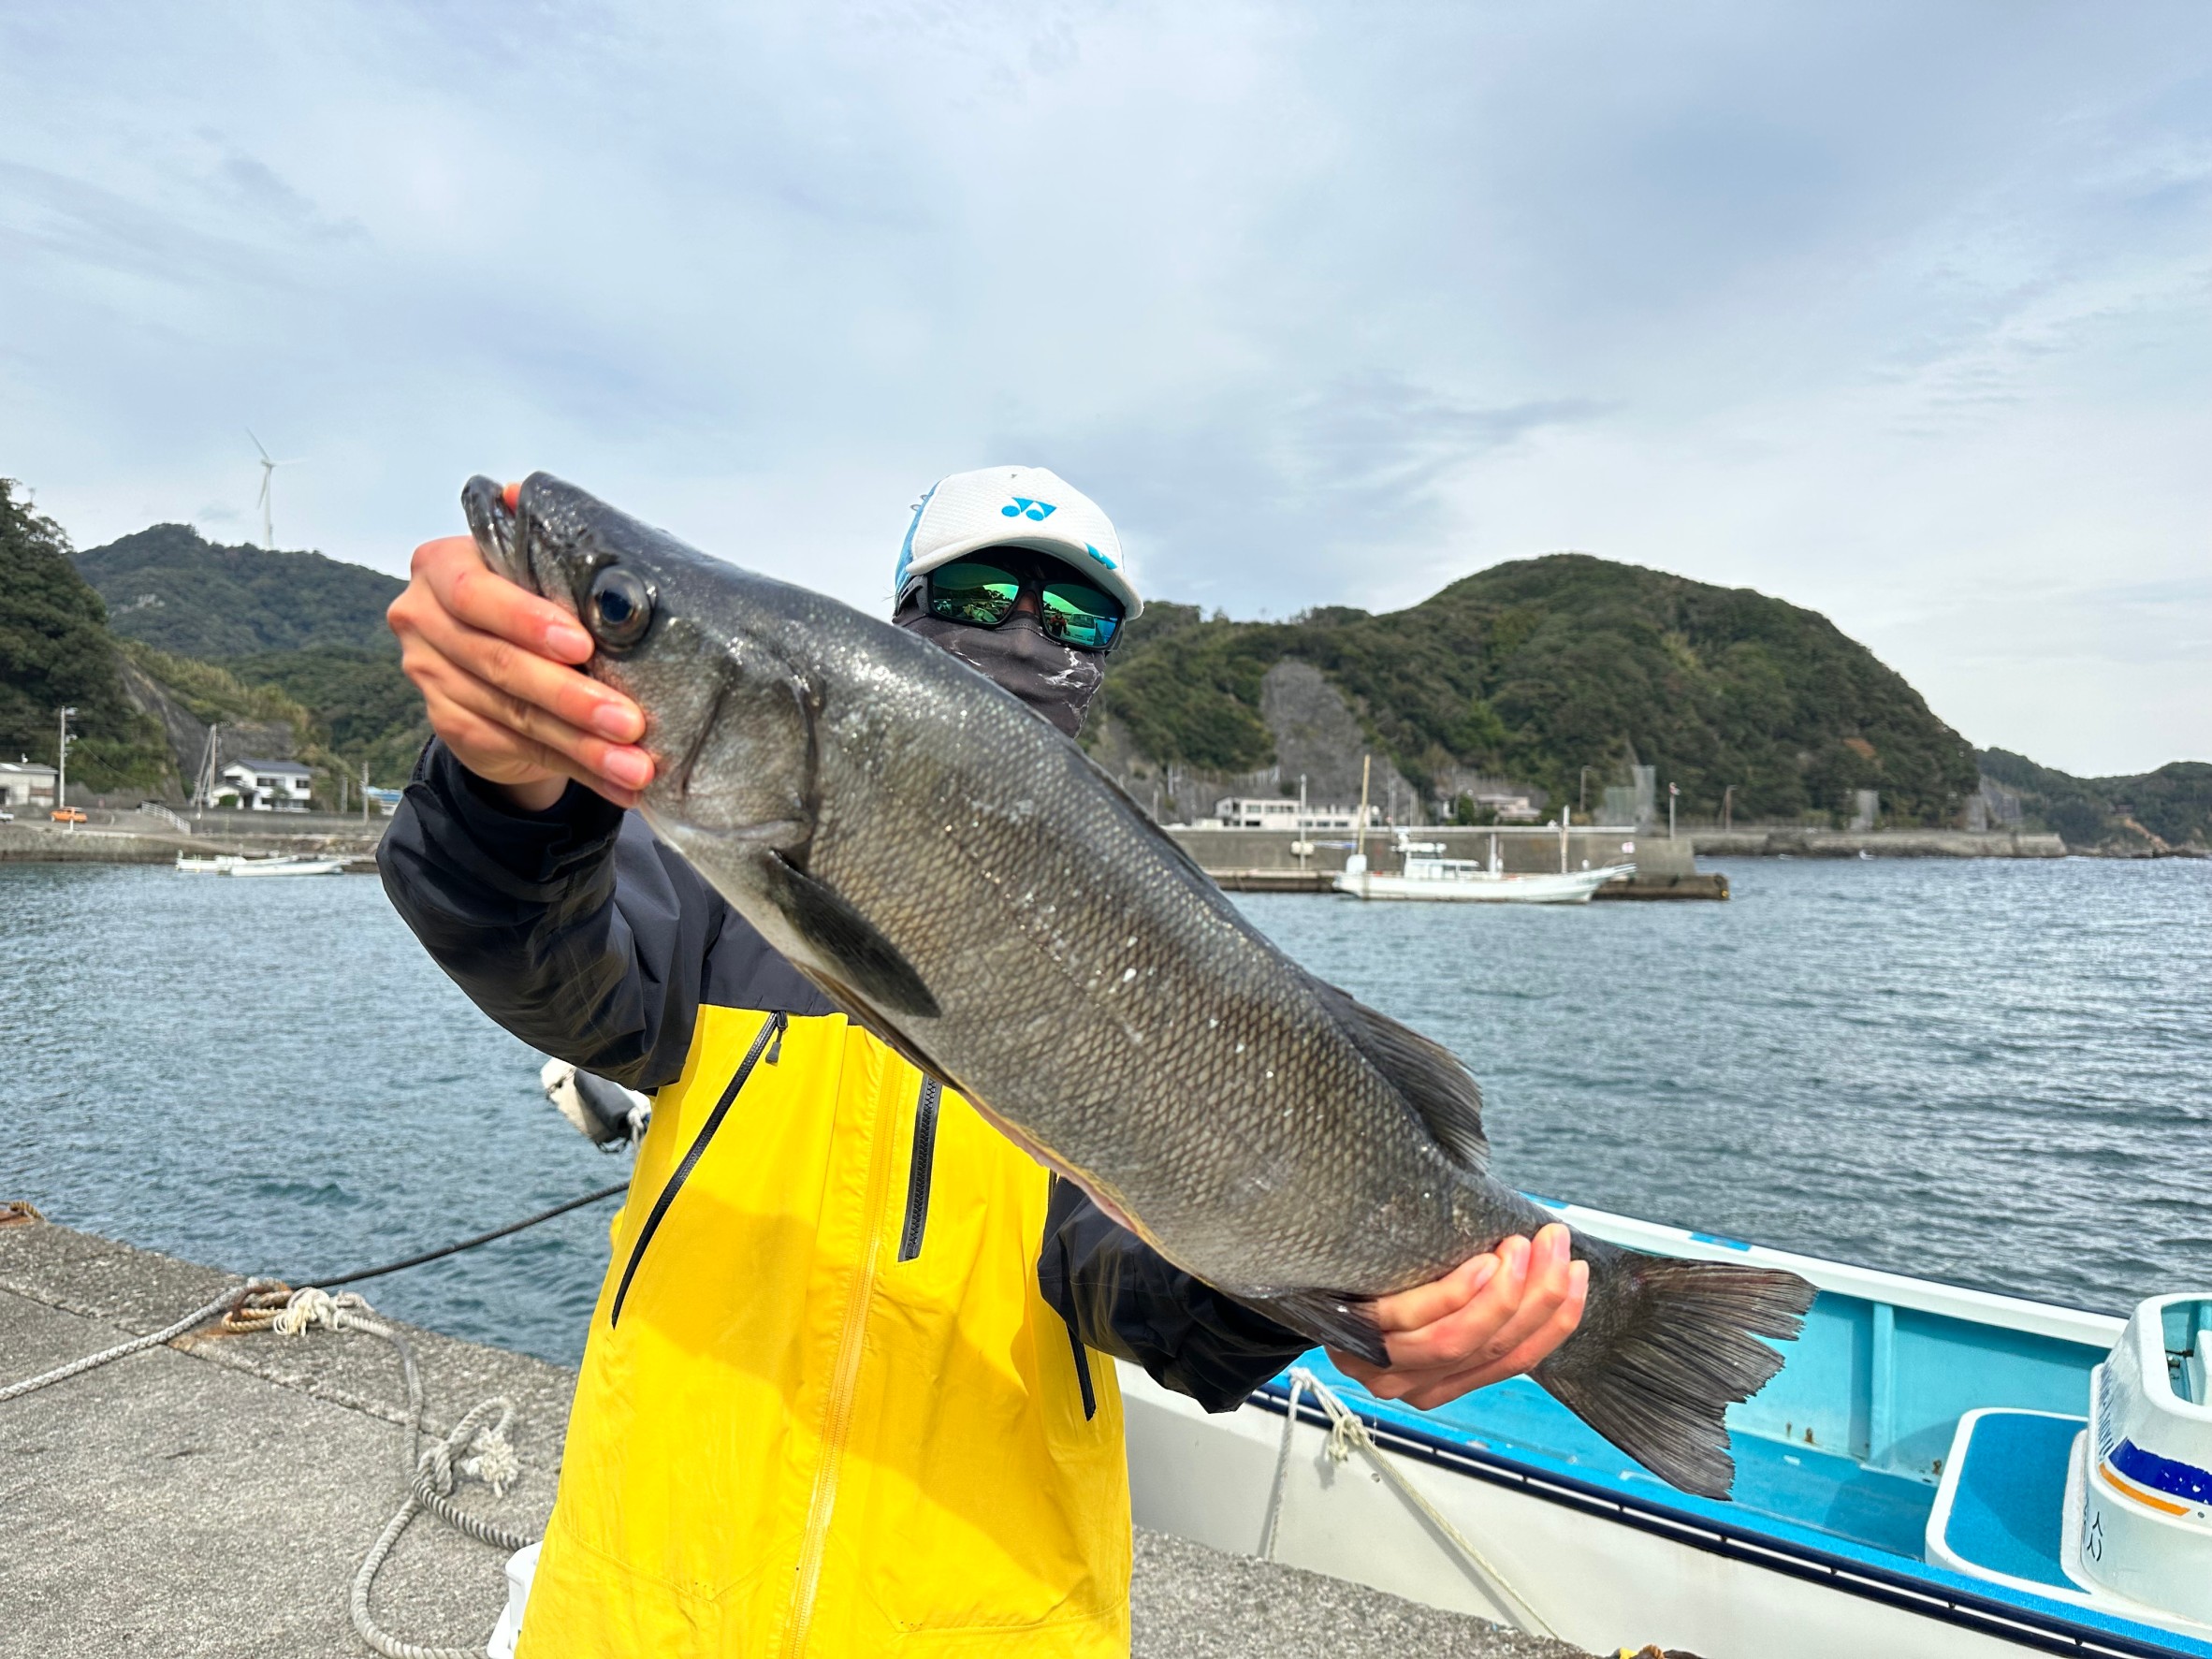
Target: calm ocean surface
x=1993 y=1073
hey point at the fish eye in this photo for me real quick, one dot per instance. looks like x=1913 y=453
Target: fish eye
x=621 y=608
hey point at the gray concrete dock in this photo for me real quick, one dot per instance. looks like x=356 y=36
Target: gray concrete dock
x=216 y=1495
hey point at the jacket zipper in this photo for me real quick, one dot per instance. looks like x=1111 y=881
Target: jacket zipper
x=772 y=1028
x=1082 y=1355
x=838 y=1415
x=919 y=1167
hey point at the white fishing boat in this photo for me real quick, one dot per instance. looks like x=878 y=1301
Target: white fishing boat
x=282 y=864
x=1936 y=1473
x=1425 y=872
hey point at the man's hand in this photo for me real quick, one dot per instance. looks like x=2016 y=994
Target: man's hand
x=1493 y=1317
x=494 y=664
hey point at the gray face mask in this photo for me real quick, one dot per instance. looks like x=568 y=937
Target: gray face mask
x=1058 y=681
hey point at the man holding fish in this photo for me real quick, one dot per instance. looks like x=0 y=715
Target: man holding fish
x=839 y=1391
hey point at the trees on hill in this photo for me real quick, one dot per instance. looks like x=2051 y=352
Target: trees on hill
x=55 y=652
x=1541 y=668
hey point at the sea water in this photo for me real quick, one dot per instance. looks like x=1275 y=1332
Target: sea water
x=1993 y=1073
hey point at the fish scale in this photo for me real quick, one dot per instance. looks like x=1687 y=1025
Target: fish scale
x=964 y=882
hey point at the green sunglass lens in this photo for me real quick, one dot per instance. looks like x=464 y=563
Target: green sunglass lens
x=981 y=595
x=1080 y=615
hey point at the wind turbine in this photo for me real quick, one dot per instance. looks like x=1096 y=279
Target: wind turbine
x=269 y=468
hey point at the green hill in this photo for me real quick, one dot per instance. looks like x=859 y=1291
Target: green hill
x=188 y=596
x=307 y=627
x=55 y=652
x=2155 y=812
x=1538 y=668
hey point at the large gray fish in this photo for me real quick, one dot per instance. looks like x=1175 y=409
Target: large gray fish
x=964 y=882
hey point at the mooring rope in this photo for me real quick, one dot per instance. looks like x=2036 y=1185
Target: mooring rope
x=1348 y=1433
x=198 y=1316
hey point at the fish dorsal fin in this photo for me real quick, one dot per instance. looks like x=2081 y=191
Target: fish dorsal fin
x=1430 y=1077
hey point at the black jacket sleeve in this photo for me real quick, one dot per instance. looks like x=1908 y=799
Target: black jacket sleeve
x=1122 y=1297
x=574 y=929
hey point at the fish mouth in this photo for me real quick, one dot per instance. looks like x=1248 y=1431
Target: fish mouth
x=494 y=511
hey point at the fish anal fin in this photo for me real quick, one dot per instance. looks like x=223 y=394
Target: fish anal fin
x=860 y=955
x=1335 y=1322
x=1435 y=1085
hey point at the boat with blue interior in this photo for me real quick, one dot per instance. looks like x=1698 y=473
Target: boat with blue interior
x=1936 y=1471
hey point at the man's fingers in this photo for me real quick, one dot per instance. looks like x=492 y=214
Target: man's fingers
x=571 y=748
x=499 y=754
x=575 y=699
x=1426 y=1390
x=1424 y=1304
x=467 y=588
x=1530 y=1285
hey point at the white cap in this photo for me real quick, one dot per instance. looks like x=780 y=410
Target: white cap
x=1014 y=507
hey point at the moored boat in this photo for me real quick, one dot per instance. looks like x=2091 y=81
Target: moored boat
x=282 y=864
x=1425 y=873
x=1935 y=1471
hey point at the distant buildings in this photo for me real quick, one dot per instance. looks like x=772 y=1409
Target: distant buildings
x=265 y=786
x=26 y=783
x=1280 y=813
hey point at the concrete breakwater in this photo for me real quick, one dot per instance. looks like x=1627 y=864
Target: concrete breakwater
x=116 y=836
x=1789 y=842
x=215 y=1494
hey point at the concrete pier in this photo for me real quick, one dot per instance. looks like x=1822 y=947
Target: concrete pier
x=216 y=1495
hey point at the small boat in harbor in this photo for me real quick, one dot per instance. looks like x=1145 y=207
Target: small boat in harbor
x=1936 y=1473
x=281 y=864
x=1425 y=873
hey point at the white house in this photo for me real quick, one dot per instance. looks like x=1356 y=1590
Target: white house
x=1278 y=812
x=267 y=786
x=24 y=783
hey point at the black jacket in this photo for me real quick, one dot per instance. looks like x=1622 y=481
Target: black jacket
x=586 y=938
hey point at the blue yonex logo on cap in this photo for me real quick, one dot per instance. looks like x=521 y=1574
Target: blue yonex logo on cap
x=1024 y=508
x=1099 y=557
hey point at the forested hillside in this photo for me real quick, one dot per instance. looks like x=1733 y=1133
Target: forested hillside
x=1541 y=668
x=183 y=594
x=307 y=628
x=2154 y=812
x=55 y=652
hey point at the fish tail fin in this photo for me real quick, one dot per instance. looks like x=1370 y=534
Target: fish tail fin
x=1672 y=1345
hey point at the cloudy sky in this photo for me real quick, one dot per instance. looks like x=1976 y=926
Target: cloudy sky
x=1900 y=311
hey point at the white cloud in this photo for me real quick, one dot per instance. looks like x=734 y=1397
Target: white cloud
x=1896 y=312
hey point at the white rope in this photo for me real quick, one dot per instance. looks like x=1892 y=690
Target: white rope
x=198 y=1316
x=472 y=1448
x=1348 y=1433
x=493 y=1461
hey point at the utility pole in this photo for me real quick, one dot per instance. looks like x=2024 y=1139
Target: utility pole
x=1728 y=808
x=1673 y=791
x=364 y=794
x=60 y=764
x=1583 y=801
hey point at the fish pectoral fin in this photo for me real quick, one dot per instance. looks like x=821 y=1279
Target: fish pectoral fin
x=1346 y=1322
x=859 y=955
x=855 y=1008
x=1440 y=1090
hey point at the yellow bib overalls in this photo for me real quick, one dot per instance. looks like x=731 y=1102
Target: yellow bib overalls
x=832 y=1415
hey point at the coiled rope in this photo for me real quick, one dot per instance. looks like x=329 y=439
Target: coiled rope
x=1348 y=1434
x=470 y=1448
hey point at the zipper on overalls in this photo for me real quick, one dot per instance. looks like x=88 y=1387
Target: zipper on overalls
x=838 y=1418
x=772 y=1028
x=919 y=1167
